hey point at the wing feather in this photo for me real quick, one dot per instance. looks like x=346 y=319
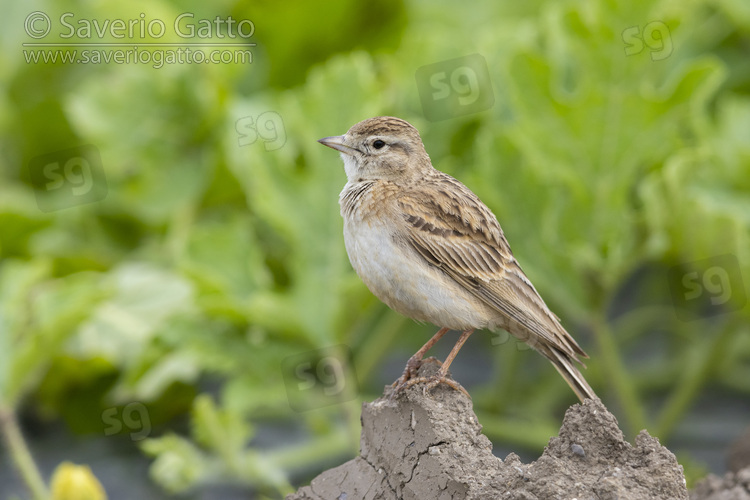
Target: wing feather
x=456 y=232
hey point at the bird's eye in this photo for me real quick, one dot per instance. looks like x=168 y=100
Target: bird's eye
x=378 y=144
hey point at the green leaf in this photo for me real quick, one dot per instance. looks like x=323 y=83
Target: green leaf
x=36 y=318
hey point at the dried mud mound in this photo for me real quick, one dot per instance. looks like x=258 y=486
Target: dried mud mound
x=432 y=447
x=733 y=486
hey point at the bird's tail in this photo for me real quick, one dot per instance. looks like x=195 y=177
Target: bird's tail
x=574 y=378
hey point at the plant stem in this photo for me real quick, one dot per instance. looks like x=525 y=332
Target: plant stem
x=700 y=361
x=616 y=373
x=319 y=449
x=528 y=433
x=377 y=343
x=21 y=455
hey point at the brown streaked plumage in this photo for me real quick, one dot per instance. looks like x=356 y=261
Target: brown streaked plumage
x=425 y=245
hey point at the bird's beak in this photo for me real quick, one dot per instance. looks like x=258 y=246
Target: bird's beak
x=337 y=142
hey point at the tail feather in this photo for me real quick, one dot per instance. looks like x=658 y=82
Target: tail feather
x=570 y=373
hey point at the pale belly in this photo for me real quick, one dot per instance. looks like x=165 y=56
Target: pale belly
x=408 y=284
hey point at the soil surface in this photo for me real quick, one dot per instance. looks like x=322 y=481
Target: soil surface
x=739 y=453
x=733 y=486
x=432 y=447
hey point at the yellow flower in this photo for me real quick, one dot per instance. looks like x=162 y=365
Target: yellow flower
x=76 y=482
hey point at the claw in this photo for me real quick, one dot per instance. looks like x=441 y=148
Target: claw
x=429 y=384
x=408 y=378
x=410 y=373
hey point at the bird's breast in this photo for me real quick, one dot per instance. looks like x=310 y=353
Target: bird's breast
x=379 y=251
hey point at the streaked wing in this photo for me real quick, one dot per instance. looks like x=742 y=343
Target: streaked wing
x=456 y=232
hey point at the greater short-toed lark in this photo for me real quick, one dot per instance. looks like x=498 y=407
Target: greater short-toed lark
x=425 y=245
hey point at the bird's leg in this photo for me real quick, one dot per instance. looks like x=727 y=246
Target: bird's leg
x=442 y=375
x=413 y=364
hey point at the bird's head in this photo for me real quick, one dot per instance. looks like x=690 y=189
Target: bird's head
x=383 y=147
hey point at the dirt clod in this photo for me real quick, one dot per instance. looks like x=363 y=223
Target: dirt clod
x=739 y=453
x=733 y=486
x=431 y=447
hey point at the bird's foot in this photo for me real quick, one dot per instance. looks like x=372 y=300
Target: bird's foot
x=411 y=377
x=411 y=373
x=412 y=367
x=433 y=381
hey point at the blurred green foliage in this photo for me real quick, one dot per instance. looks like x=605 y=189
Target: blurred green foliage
x=217 y=254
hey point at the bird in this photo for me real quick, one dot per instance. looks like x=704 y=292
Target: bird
x=431 y=250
